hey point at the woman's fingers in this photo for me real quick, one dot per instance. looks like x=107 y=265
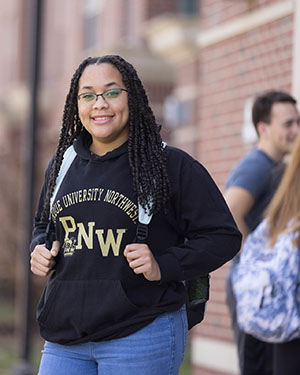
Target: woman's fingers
x=42 y=260
x=142 y=261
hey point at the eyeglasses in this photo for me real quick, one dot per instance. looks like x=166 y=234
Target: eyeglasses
x=108 y=96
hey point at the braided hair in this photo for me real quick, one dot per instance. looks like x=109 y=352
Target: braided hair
x=147 y=157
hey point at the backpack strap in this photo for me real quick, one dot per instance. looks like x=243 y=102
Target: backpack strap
x=142 y=225
x=68 y=158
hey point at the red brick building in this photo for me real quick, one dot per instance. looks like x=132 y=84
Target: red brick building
x=233 y=51
x=201 y=61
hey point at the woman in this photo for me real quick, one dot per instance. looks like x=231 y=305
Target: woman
x=112 y=305
x=282 y=214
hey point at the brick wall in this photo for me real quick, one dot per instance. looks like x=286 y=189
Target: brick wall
x=232 y=72
x=215 y=12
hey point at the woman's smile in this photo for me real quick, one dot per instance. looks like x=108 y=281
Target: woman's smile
x=102 y=119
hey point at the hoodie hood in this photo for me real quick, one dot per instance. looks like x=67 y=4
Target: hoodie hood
x=82 y=148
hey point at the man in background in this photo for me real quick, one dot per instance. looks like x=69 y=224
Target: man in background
x=249 y=189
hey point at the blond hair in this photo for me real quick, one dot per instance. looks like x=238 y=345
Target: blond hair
x=283 y=213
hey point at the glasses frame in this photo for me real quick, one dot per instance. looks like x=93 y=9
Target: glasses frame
x=79 y=97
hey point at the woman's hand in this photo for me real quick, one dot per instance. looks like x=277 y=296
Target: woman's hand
x=42 y=260
x=141 y=260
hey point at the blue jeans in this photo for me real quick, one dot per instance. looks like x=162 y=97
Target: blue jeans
x=156 y=349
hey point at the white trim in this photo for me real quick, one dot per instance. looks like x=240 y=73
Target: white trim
x=296 y=53
x=246 y=23
x=215 y=355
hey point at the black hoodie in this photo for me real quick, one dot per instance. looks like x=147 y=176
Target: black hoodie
x=93 y=294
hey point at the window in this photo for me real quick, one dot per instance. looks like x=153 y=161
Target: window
x=177 y=112
x=185 y=7
x=126 y=20
x=90 y=25
x=92 y=10
x=188 y=7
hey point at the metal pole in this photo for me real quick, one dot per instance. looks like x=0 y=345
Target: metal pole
x=23 y=367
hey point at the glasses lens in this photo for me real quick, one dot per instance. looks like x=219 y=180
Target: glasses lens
x=112 y=94
x=88 y=97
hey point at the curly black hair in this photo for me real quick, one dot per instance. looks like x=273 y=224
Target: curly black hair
x=147 y=156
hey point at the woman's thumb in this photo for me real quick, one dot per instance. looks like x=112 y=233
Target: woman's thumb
x=55 y=248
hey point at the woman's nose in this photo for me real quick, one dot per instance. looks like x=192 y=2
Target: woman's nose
x=100 y=102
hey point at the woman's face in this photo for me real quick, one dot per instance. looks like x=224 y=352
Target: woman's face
x=106 y=119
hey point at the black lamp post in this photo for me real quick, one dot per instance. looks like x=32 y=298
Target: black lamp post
x=23 y=366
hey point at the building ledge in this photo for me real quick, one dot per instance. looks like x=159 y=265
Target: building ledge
x=245 y=23
x=173 y=37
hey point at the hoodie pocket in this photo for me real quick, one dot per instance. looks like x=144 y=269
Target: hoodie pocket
x=75 y=309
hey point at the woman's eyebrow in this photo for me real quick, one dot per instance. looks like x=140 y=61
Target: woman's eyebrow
x=106 y=85
x=111 y=84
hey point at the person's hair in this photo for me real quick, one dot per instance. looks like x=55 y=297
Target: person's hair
x=285 y=205
x=262 y=106
x=147 y=157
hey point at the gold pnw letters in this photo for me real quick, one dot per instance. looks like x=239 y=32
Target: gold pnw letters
x=111 y=240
